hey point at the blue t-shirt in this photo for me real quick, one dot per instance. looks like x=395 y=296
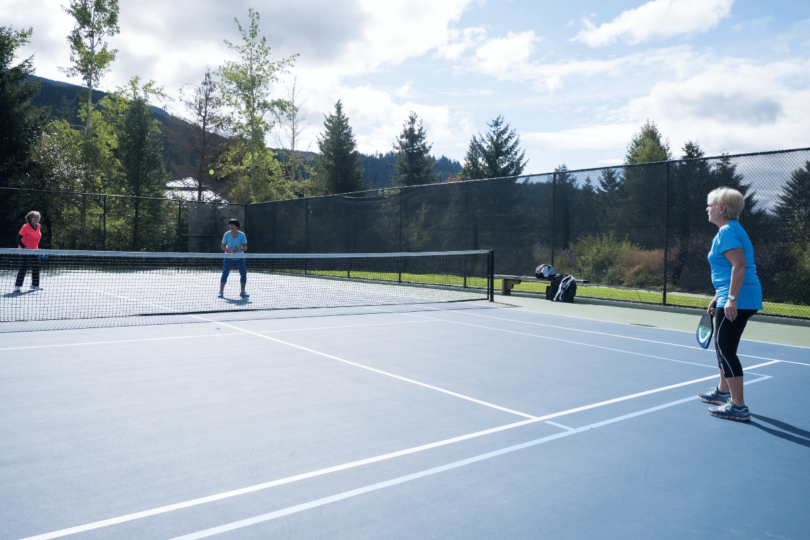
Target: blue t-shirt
x=732 y=236
x=234 y=242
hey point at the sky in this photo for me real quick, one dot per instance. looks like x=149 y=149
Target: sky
x=575 y=80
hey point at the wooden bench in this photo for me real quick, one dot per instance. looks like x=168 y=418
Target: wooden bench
x=508 y=281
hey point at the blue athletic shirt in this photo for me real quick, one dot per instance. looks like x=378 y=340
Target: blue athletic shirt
x=732 y=236
x=234 y=242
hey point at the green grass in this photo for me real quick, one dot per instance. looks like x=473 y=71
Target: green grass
x=605 y=293
x=673 y=299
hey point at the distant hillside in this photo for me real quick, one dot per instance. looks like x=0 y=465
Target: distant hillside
x=378 y=168
x=64 y=100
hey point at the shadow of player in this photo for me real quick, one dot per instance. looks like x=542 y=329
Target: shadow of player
x=788 y=432
x=12 y=294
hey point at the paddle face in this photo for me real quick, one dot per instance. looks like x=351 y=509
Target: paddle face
x=704 y=331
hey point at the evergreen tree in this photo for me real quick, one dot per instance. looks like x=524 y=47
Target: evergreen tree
x=793 y=208
x=141 y=148
x=413 y=165
x=496 y=154
x=640 y=204
x=647 y=146
x=724 y=174
x=338 y=169
x=20 y=124
x=609 y=182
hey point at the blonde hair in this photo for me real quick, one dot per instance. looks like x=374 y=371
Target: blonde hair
x=30 y=214
x=730 y=199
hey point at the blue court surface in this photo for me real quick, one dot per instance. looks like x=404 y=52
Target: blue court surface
x=449 y=421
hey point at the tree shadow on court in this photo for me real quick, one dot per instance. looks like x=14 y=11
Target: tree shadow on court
x=788 y=433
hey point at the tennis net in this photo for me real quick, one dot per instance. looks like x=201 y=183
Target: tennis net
x=89 y=285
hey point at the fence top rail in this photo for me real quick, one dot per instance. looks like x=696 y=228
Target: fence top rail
x=101 y=195
x=184 y=255
x=399 y=189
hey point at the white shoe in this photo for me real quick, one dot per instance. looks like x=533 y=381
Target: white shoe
x=36 y=288
x=17 y=289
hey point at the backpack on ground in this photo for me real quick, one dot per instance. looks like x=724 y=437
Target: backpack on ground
x=562 y=289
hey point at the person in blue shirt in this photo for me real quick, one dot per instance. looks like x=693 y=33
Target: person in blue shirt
x=234 y=242
x=738 y=297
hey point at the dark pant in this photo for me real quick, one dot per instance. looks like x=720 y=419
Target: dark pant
x=727 y=336
x=27 y=260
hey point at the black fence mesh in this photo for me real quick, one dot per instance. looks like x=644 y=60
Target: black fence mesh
x=638 y=233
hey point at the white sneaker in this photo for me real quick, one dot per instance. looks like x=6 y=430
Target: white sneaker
x=17 y=289
x=36 y=288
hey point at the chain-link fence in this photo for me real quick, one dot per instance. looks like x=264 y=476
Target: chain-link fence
x=639 y=233
x=89 y=221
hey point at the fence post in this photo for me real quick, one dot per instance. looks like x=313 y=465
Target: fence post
x=179 y=223
x=553 y=217
x=246 y=218
x=491 y=275
x=399 y=236
x=104 y=226
x=666 y=231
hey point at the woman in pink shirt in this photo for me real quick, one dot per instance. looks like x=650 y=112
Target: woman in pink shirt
x=28 y=238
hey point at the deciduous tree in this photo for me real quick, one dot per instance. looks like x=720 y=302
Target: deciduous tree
x=245 y=87
x=202 y=140
x=95 y=20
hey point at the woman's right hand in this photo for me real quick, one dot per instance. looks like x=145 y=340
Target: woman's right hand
x=712 y=306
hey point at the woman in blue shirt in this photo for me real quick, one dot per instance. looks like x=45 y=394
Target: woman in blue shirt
x=738 y=297
x=235 y=242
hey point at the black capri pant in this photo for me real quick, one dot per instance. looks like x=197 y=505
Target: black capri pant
x=27 y=260
x=727 y=336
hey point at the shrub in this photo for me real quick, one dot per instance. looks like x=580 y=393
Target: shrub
x=596 y=257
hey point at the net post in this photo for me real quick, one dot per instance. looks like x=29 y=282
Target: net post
x=491 y=275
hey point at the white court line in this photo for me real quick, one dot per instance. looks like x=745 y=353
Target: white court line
x=555 y=424
x=355 y=364
x=208 y=335
x=119 y=341
x=387 y=374
x=422 y=474
x=563 y=341
x=621 y=336
x=351 y=465
x=789 y=362
x=336 y=327
x=651 y=328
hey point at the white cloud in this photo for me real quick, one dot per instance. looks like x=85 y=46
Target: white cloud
x=503 y=55
x=601 y=137
x=733 y=105
x=460 y=41
x=551 y=76
x=657 y=19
